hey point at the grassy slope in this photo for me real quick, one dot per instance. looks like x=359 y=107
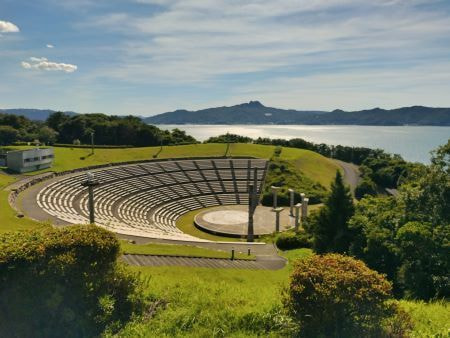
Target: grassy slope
x=8 y=216
x=239 y=303
x=178 y=250
x=206 y=302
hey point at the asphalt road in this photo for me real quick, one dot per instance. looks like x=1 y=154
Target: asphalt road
x=351 y=174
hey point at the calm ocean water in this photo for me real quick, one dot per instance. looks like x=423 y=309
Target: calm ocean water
x=413 y=143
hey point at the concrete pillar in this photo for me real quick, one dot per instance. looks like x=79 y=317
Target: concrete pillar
x=291 y=202
x=250 y=231
x=305 y=209
x=277 y=219
x=255 y=188
x=275 y=196
x=297 y=216
x=302 y=197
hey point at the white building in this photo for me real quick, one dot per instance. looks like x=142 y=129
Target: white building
x=22 y=161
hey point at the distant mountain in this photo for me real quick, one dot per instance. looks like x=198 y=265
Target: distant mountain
x=33 y=114
x=256 y=113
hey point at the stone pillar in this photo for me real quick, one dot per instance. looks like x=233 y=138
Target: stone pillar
x=277 y=219
x=250 y=232
x=297 y=216
x=302 y=197
x=275 y=196
x=291 y=202
x=305 y=209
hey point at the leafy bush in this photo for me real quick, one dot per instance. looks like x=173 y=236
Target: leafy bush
x=338 y=296
x=64 y=282
x=365 y=187
x=291 y=240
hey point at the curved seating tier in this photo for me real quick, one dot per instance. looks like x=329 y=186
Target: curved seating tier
x=146 y=199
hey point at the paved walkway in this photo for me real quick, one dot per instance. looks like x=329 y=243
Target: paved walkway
x=214 y=263
x=351 y=174
x=266 y=255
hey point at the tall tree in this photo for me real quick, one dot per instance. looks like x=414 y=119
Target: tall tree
x=330 y=226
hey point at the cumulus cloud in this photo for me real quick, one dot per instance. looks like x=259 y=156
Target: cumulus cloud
x=45 y=64
x=8 y=27
x=50 y=45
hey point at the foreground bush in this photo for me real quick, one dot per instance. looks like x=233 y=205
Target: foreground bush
x=64 y=282
x=338 y=296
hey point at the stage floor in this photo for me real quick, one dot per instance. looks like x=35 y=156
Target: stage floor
x=232 y=220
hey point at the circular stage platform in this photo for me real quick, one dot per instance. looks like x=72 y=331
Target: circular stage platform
x=232 y=220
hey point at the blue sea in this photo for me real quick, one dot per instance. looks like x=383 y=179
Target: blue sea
x=413 y=143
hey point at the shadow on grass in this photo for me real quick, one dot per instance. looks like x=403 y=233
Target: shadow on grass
x=159 y=152
x=87 y=156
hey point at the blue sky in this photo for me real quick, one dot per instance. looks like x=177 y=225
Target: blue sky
x=150 y=56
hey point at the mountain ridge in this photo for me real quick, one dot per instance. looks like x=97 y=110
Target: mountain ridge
x=254 y=112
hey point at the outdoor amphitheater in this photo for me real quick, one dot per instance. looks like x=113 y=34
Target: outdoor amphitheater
x=146 y=199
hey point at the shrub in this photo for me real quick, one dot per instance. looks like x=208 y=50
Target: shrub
x=365 y=187
x=64 y=282
x=290 y=240
x=338 y=296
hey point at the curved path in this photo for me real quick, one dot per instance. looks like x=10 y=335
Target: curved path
x=351 y=174
x=214 y=263
x=266 y=254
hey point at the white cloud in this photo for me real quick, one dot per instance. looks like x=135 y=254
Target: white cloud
x=8 y=27
x=50 y=45
x=204 y=40
x=45 y=64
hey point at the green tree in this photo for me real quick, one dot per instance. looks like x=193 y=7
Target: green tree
x=330 y=226
x=374 y=226
x=56 y=119
x=8 y=135
x=425 y=252
x=47 y=135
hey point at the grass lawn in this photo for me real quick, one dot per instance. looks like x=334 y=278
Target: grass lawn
x=203 y=302
x=315 y=166
x=178 y=250
x=8 y=216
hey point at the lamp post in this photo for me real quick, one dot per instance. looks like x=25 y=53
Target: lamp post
x=92 y=142
x=90 y=182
